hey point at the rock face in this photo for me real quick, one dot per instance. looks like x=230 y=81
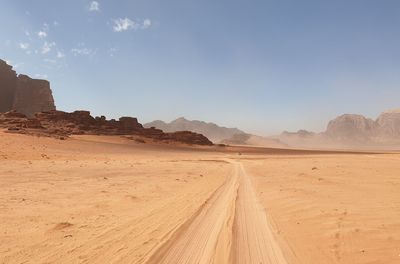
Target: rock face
x=32 y=96
x=388 y=124
x=8 y=85
x=351 y=127
x=352 y=130
x=61 y=124
x=212 y=131
x=357 y=128
x=23 y=94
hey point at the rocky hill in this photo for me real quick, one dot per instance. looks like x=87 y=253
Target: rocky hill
x=351 y=127
x=23 y=94
x=357 y=128
x=60 y=124
x=212 y=131
x=351 y=130
x=388 y=124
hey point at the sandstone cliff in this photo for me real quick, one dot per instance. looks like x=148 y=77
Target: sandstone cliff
x=23 y=94
x=8 y=86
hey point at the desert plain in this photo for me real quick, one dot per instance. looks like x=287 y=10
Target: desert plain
x=108 y=199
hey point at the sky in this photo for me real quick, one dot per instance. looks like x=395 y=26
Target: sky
x=262 y=66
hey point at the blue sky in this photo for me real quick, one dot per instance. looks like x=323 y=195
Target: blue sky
x=263 y=66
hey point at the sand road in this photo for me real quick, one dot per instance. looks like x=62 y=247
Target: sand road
x=231 y=227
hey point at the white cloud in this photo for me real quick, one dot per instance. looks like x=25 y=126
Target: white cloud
x=47 y=46
x=16 y=66
x=146 y=23
x=94 y=6
x=60 y=55
x=23 y=46
x=124 y=24
x=45 y=26
x=82 y=51
x=51 y=61
x=112 y=51
x=42 y=34
x=41 y=76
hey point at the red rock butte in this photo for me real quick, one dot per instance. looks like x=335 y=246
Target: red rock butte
x=22 y=93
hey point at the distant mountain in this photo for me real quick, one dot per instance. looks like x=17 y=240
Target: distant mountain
x=300 y=134
x=212 y=131
x=351 y=127
x=345 y=131
x=351 y=130
x=386 y=128
x=388 y=124
x=253 y=140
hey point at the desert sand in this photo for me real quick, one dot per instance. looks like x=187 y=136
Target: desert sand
x=107 y=199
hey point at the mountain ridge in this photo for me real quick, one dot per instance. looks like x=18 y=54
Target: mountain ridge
x=351 y=130
x=211 y=130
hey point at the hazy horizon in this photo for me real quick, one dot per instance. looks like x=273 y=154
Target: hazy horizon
x=260 y=66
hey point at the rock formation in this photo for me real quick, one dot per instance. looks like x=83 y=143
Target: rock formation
x=23 y=94
x=61 y=124
x=8 y=84
x=212 y=131
x=351 y=130
x=388 y=124
x=351 y=127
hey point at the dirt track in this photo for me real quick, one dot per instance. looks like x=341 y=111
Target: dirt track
x=231 y=227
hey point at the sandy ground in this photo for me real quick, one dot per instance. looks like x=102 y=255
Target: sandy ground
x=111 y=200
x=333 y=208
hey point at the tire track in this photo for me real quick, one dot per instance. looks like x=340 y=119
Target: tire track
x=197 y=240
x=253 y=239
x=230 y=228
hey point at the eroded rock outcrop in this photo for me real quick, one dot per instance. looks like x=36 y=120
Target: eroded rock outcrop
x=22 y=93
x=62 y=124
